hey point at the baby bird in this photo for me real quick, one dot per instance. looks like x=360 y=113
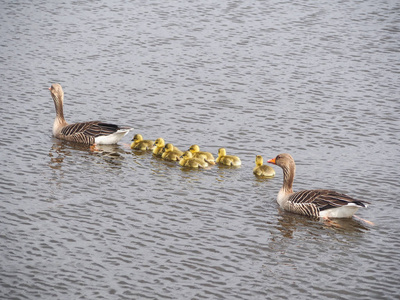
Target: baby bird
x=263 y=170
x=159 y=145
x=187 y=160
x=207 y=156
x=229 y=160
x=140 y=144
x=171 y=153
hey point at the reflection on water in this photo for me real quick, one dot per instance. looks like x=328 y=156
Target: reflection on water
x=289 y=223
x=317 y=80
x=112 y=154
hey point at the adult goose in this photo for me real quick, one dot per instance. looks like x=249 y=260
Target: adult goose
x=313 y=203
x=90 y=133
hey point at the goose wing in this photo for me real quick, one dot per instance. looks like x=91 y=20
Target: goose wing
x=324 y=199
x=86 y=132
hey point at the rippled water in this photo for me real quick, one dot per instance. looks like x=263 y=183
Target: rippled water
x=319 y=80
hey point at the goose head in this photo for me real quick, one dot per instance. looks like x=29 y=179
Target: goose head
x=57 y=94
x=284 y=160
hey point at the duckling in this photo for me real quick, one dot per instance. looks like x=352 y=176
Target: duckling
x=263 y=170
x=187 y=160
x=171 y=153
x=207 y=156
x=159 y=145
x=140 y=144
x=229 y=160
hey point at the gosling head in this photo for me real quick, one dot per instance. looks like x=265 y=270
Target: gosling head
x=137 y=138
x=159 y=142
x=168 y=147
x=194 y=148
x=221 y=152
x=187 y=155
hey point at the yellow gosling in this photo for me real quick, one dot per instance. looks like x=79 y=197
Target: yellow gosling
x=262 y=170
x=229 y=160
x=207 y=156
x=171 y=153
x=159 y=145
x=138 y=143
x=187 y=160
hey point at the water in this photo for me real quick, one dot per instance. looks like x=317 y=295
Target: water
x=317 y=80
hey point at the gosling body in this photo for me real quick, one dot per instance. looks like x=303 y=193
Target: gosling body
x=207 y=156
x=261 y=170
x=187 y=160
x=171 y=153
x=138 y=143
x=228 y=160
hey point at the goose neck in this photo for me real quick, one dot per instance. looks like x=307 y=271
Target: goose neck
x=288 y=178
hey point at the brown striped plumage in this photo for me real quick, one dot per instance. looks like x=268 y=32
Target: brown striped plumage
x=86 y=132
x=314 y=203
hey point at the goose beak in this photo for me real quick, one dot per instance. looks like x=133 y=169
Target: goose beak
x=272 y=161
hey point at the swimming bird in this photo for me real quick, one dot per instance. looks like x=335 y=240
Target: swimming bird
x=187 y=160
x=92 y=132
x=159 y=145
x=313 y=203
x=140 y=144
x=171 y=153
x=262 y=170
x=229 y=160
x=207 y=156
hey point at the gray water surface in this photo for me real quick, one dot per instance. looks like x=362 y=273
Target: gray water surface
x=319 y=80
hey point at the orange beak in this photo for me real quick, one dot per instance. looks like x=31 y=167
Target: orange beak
x=272 y=161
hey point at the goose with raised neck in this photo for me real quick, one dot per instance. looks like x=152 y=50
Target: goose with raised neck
x=313 y=203
x=92 y=132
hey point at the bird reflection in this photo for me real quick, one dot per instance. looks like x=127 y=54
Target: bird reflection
x=288 y=223
x=112 y=154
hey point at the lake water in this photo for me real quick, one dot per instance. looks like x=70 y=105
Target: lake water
x=320 y=80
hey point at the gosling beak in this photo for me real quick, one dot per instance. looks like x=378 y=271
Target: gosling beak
x=272 y=161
